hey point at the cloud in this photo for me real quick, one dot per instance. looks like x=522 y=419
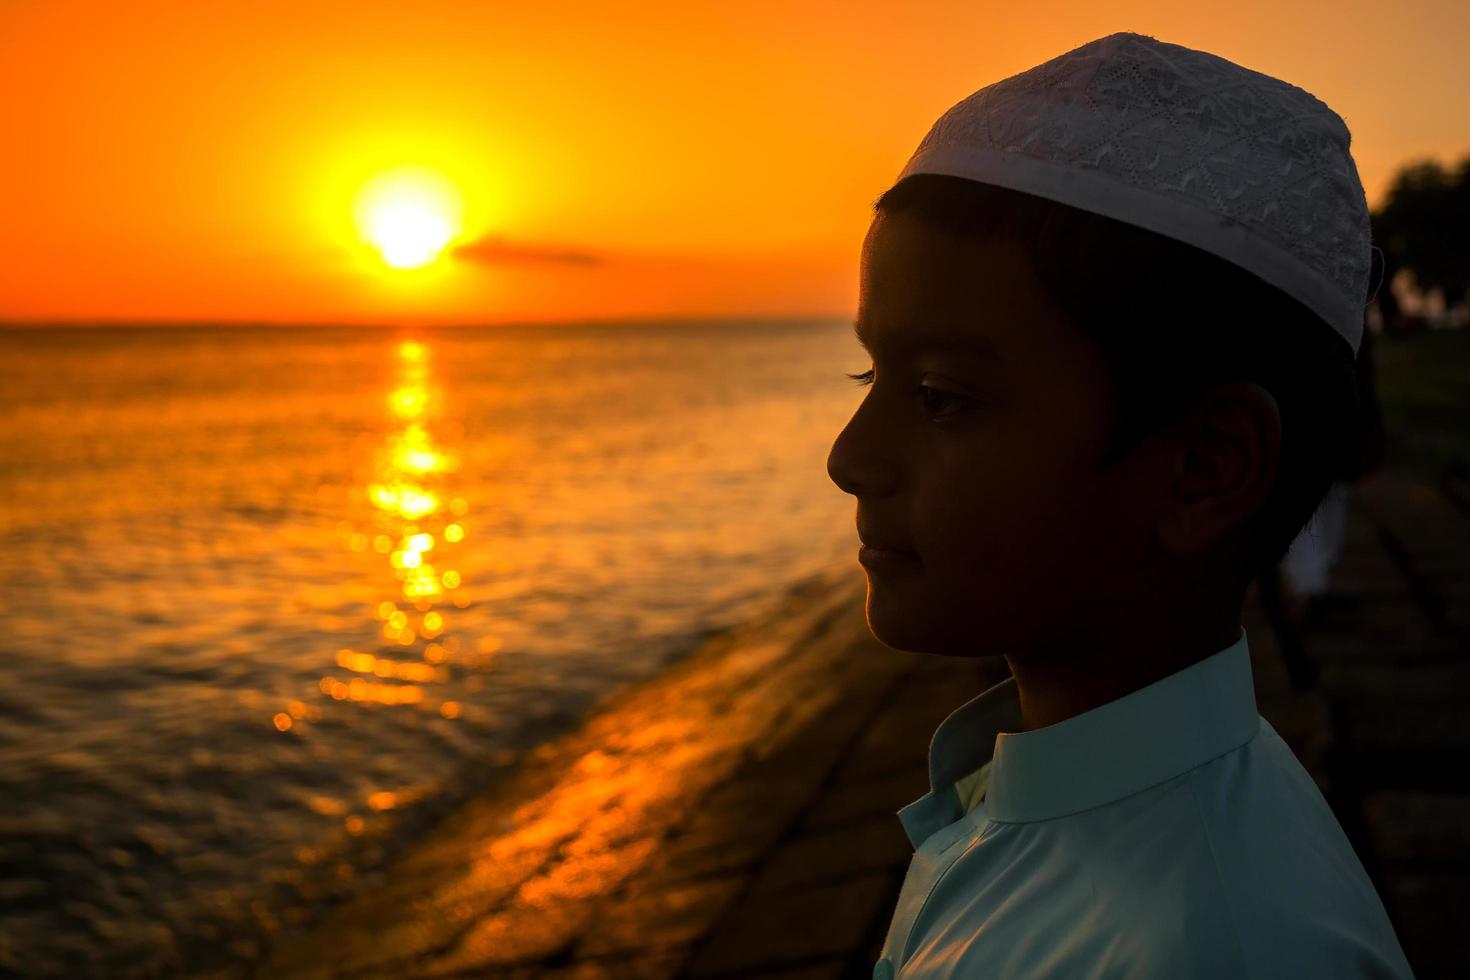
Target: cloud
x=496 y=250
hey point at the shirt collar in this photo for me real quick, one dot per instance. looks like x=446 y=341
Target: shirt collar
x=1109 y=752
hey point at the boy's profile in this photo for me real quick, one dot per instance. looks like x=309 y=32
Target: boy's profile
x=1112 y=306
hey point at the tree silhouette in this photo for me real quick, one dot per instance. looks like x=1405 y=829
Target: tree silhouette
x=1424 y=226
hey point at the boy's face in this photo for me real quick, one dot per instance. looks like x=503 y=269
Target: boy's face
x=986 y=467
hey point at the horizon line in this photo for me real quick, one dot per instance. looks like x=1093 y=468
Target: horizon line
x=181 y=322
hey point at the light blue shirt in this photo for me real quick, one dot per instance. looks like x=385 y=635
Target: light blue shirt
x=1167 y=834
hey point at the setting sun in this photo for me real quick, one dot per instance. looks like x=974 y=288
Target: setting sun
x=409 y=215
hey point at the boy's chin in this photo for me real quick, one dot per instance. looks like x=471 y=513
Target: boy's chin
x=906 y=623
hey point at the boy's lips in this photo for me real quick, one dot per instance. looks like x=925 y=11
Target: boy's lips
x=879 y=558
x=871 y=546
x=881 y=542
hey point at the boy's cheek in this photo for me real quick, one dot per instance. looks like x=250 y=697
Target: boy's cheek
x=1004 y=497
x=1015 y=538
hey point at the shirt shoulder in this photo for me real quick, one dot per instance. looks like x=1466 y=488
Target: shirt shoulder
x=1237 y=869
x=1300 y=902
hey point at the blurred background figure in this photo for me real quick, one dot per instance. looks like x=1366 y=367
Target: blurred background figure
x=1306 y=569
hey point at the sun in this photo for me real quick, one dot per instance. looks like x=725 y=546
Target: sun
x=409 y=215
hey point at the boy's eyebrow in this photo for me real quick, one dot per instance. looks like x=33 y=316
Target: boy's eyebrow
x=916 y=339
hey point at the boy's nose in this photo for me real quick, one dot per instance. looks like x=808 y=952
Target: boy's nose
x=855 y=467
x=838 y=475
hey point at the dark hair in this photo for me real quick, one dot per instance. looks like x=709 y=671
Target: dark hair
x=1173 y=322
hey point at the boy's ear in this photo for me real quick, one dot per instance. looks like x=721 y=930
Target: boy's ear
x=1227 y=452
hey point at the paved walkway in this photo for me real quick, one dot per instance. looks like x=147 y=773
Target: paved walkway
x=736 y=818
x=1393 y=670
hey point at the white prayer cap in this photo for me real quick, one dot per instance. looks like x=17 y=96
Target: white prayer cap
x=1185 y=144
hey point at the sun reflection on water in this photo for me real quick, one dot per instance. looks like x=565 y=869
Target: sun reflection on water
x=415 y=524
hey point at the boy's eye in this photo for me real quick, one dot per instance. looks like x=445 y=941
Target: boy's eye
x=924 y=393
x=935 y=398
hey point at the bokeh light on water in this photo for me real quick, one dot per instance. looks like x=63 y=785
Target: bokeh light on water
x=416 y=524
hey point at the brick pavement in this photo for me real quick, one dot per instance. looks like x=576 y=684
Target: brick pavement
x=736 y=817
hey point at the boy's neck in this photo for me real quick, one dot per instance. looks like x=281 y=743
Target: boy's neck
x=1055 y=685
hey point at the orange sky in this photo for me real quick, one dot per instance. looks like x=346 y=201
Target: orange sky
x=174 y=161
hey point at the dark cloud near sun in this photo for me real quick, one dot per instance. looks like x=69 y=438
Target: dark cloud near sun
x=497 y=250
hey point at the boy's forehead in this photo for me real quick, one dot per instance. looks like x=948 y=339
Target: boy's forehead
x=904 y=253
x=922 y=290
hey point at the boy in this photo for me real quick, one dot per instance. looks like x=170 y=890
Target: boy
x=1112 y=305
